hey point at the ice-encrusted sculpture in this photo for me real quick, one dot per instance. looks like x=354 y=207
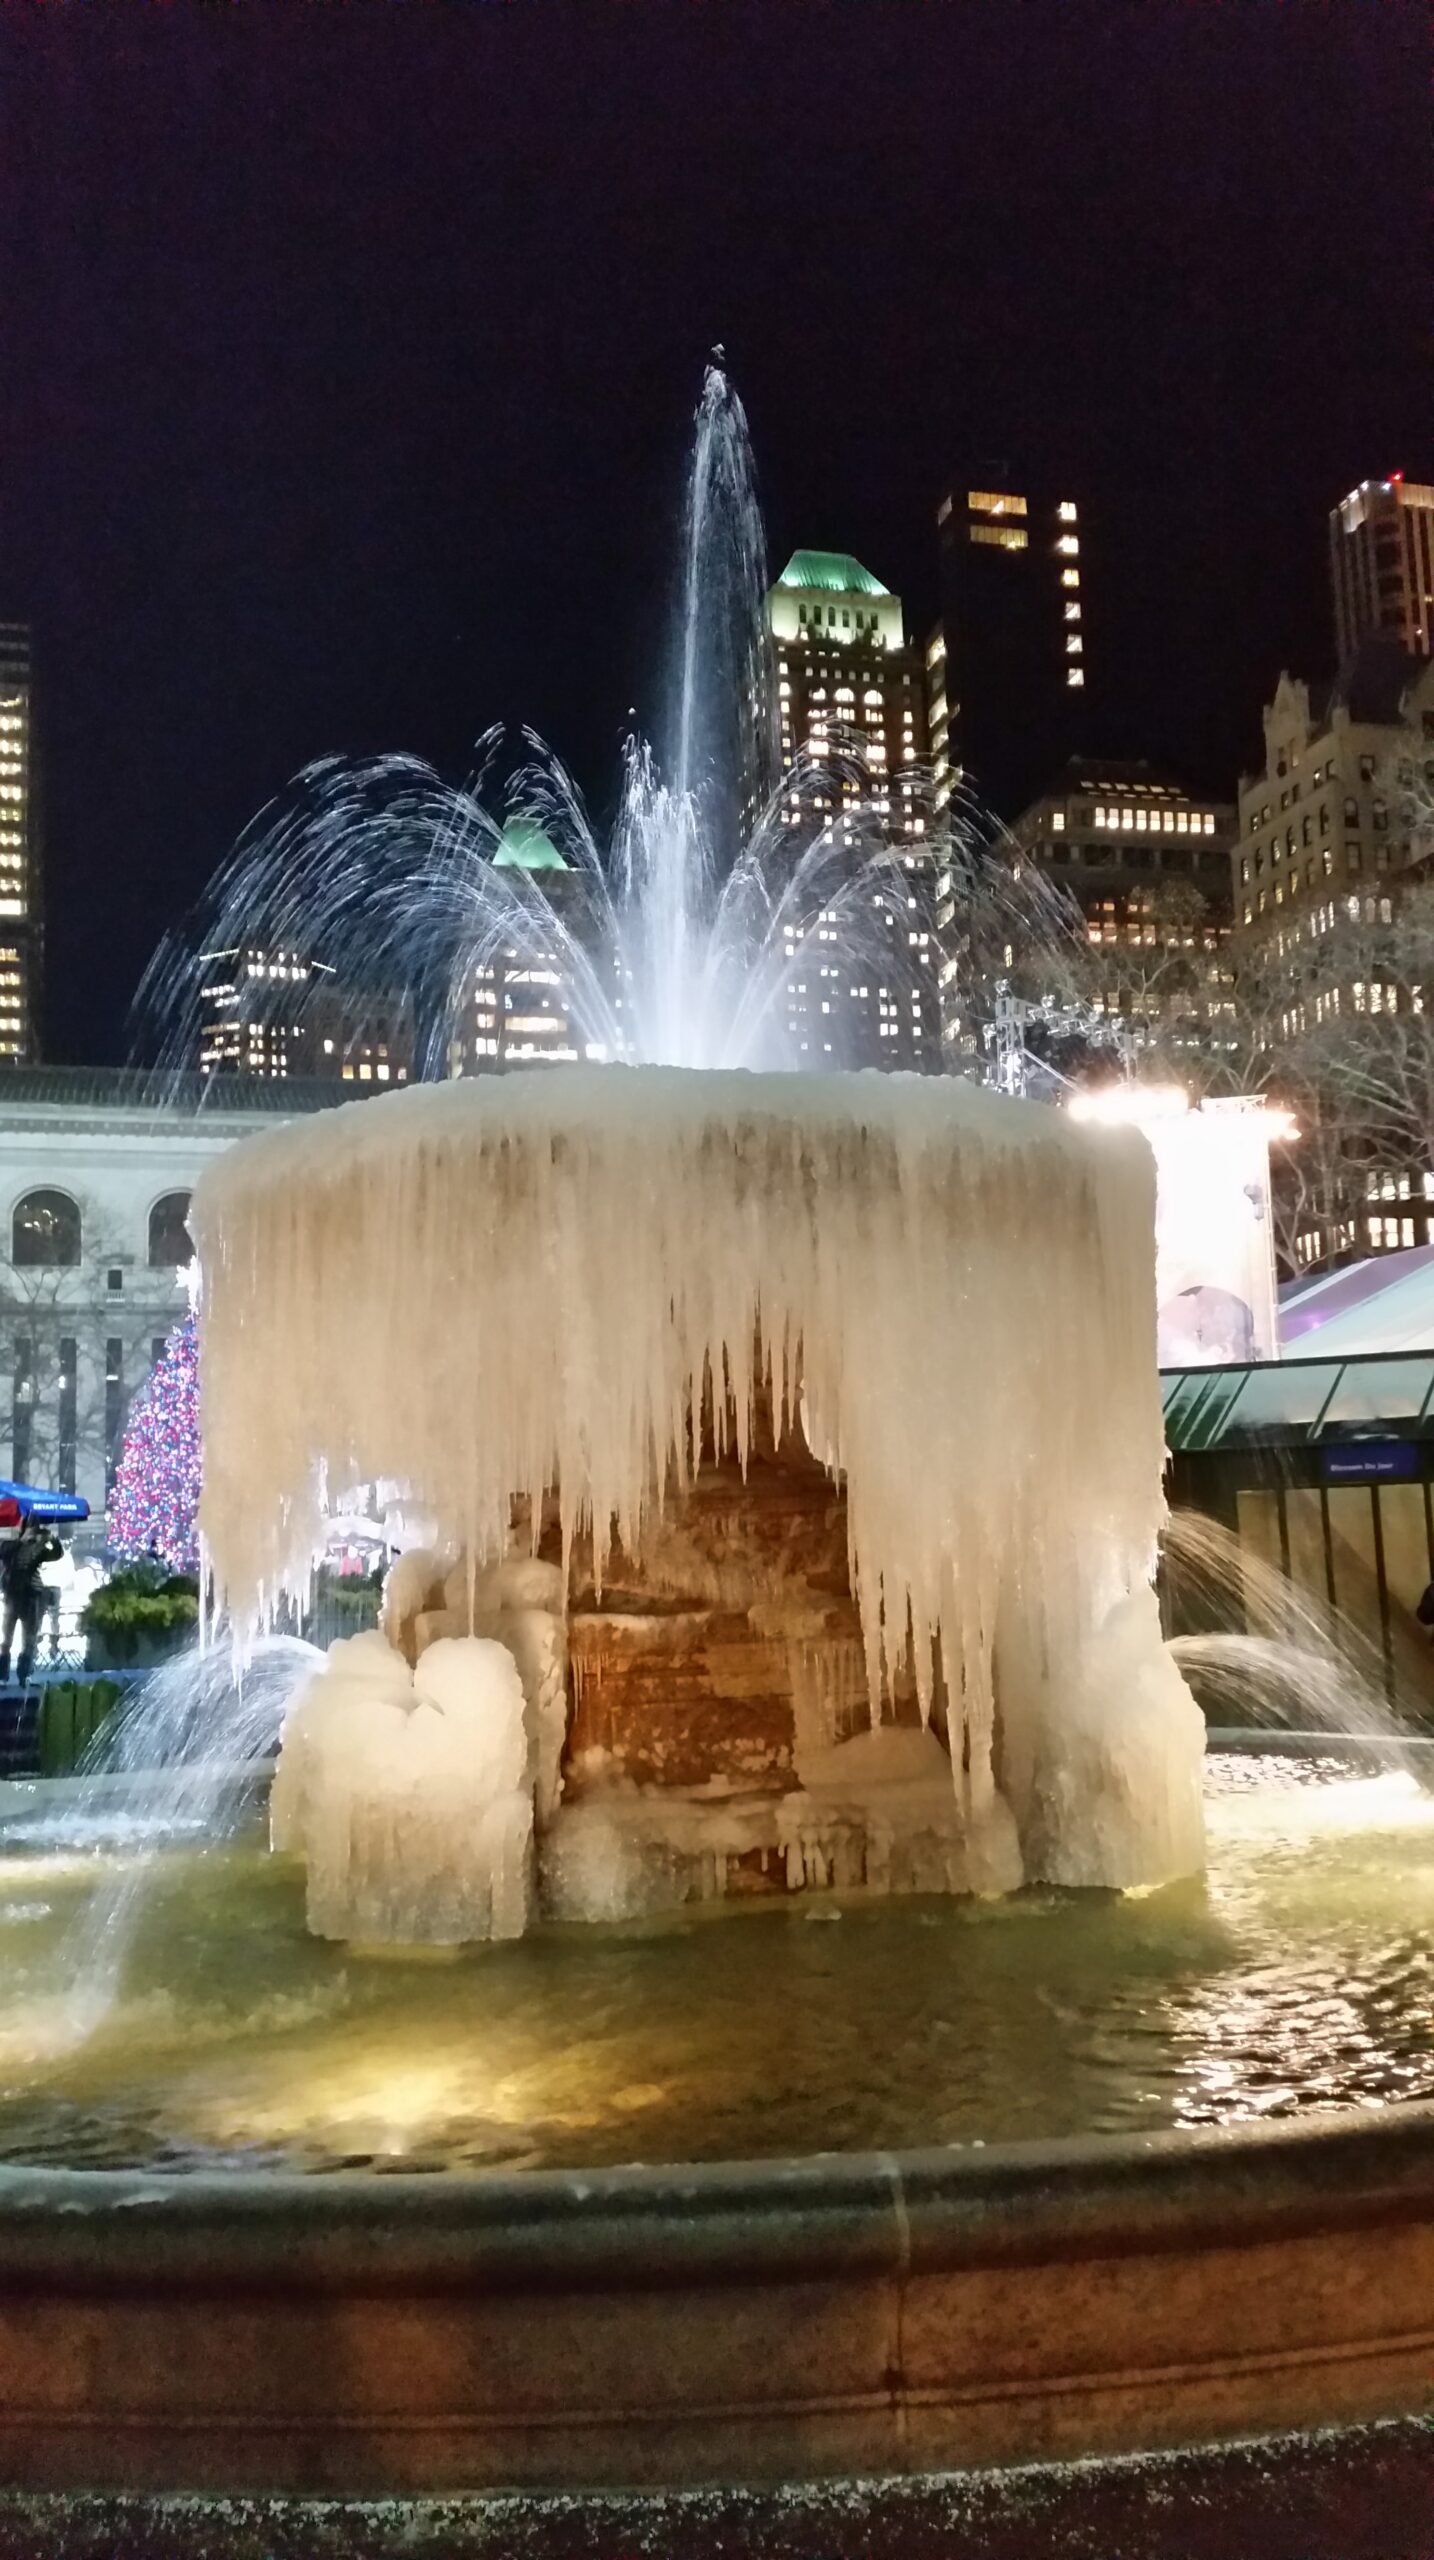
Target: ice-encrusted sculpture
x=536 y=1286
x=408 y=1793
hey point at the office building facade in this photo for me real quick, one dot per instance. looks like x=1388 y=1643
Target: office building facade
x=96 y=1171
x=1148 y=865
x=1010 y=667
x=1381 y=554
x=21 y=884
x=273 y=1013
x=854 y=752
x=1325 y=857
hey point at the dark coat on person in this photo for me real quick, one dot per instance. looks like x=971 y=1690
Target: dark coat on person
x=22 y=1561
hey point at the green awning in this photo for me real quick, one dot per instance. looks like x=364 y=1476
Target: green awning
x=1300 y=1403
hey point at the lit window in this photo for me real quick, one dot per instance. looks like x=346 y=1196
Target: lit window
x=1073 y=611
x=1075 y=675
x=1058 y=820
x=1074 y=644
x=1068 y=542
x=989 y=502
x=1066 y=511
x=1003 y=537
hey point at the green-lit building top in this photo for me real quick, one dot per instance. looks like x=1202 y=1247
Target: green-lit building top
x=525 y=846
x=831 y=573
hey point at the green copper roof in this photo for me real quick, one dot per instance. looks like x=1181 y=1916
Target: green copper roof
x=525 y=846
x=833 y=573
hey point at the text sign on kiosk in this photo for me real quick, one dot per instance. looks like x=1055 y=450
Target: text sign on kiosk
x=1370 y=1462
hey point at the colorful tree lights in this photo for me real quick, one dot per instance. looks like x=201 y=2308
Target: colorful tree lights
x=156 y=1489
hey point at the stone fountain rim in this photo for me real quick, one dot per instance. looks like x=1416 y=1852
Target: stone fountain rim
x=830 y=2215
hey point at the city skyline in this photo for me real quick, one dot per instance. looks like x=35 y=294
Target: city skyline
x=301 y=466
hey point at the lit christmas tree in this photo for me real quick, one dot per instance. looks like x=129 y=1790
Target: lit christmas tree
x=156 y=1489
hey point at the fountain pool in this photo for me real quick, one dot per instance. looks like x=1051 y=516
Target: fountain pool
x=1297 y=1975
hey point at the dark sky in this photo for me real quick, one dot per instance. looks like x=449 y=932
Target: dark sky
x=347 y=353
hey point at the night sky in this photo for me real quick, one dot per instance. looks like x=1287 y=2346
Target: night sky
x=348 y=352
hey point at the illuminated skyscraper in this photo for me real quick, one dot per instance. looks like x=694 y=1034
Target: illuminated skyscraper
x=524 y=1009
x=1381 y=557
x=21 y=919
x=1009 y=668
x=277 y=1014
x=849 y=695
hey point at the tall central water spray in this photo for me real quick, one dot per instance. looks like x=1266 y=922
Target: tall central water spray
x=726 y=878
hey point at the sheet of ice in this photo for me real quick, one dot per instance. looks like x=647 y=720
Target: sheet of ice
x=499 y=1286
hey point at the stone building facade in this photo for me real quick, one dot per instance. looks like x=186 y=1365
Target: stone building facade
x=96 y=1171
x=1317 y=823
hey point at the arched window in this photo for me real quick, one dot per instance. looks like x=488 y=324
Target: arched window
x=170 y=1247
x=45 y=1231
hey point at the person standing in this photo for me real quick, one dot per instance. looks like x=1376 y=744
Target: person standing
x=22 y=1563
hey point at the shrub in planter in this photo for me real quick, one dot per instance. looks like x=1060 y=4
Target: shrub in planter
x=141 y=1615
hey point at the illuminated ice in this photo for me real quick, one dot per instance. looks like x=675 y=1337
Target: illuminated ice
x=408 y=1793
x=491 y=1289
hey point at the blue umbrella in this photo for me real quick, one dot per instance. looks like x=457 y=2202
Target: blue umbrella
x=34 y=1503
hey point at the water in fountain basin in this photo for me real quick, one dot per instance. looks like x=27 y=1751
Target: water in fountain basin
x=1297 y=1975
x=174 y=1767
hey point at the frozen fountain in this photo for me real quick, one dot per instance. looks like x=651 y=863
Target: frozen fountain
x=603 y=1293
x=680 y=1337
x=792 y=1458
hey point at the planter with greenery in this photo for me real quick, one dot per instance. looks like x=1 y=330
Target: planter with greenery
x=143 y=1614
